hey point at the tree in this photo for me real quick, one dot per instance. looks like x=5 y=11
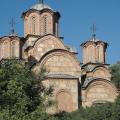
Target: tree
x=115 y=70
x=22 y=94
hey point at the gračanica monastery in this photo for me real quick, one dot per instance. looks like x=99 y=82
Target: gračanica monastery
x=76 y=84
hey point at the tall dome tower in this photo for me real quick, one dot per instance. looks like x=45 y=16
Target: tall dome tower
x=94 y=50
x=40 y=20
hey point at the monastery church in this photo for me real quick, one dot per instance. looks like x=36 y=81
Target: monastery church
x=76 y=84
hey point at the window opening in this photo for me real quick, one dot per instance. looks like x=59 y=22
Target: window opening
x=13 y=48
x=91 y=53
x=6 y=49
x=45 y=25
x=98 y=54
x=33 y=25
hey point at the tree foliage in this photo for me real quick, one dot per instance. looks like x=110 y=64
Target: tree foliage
x=22 y=93
x=115 y=70
x=107 y=111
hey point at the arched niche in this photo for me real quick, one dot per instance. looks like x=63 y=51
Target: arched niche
x=60 y=61
x=46 y=44
x=100 y=89
x=101 y=72
x=65 y=100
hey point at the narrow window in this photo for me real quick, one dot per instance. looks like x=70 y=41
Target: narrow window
x=45 y=25
x=13 y=49
x=91 y=53
x=98 y=54
x=33 y=25
x=6 y=49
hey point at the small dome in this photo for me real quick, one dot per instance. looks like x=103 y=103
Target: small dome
x=71 y=48
x=41 y=7
x=12 y=34
x=93 y=39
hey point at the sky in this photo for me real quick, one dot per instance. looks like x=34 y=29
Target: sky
x=77 y=16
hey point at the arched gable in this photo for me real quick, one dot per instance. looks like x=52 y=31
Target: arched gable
x=45 y=44
x=99 y=89
x=101 y=72
x=60 y=61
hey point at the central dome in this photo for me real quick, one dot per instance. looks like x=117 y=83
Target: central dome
x=41 y=7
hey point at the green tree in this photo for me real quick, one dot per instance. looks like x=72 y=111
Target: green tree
x=115 y=70
x=22 y=94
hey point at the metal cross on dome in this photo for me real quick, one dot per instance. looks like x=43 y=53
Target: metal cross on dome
x=41 y=1
x=12 y=23
x=93 y=28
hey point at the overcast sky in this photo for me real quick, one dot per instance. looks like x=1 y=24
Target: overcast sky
x=77 y=18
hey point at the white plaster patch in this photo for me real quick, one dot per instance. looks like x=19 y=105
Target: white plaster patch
x=39 y=49
x=52 y=46
x=42 y=54
x=41 y=45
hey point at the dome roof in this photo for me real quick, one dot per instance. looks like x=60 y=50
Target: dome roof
x=93 y=39
x=12 y=34
x=41 y=7
x=71 y=48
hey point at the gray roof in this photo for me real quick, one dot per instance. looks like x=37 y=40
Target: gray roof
x=87 y=69
x=93 y=39
x=99 y=101
x=71 y=48
x=41 y=7
x=87 y=81
x=12 y=34
x=60 y=76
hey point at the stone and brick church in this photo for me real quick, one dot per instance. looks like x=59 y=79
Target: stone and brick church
x=75 y=83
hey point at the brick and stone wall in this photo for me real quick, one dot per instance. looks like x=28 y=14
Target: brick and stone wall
x=98 y=90
x=9 y=41
x=65 y=92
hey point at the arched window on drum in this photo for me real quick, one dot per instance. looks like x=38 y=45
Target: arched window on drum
x=13 y=48
x=33 y=25
x=98 y=54
x=6 y=49
x=45 y=25
x=90 y=54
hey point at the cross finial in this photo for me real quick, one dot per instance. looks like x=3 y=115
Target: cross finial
x=41 y=1
x=12 y=23
x=93 y=28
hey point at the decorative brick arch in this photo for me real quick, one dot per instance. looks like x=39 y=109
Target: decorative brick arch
x=45 y=44
x=100 y=89
x=51 y=37
x=59 y=52
x=36 y=16
x=65 y=100
x=105 y=72
x=49 y=17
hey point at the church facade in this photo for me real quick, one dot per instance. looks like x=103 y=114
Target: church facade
x=76 y=84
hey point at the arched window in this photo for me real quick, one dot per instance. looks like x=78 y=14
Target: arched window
x=90 y=54
x=13 y=49
x=98 y=51
x=6 y=49
x=45 y=25
x=33 y=25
